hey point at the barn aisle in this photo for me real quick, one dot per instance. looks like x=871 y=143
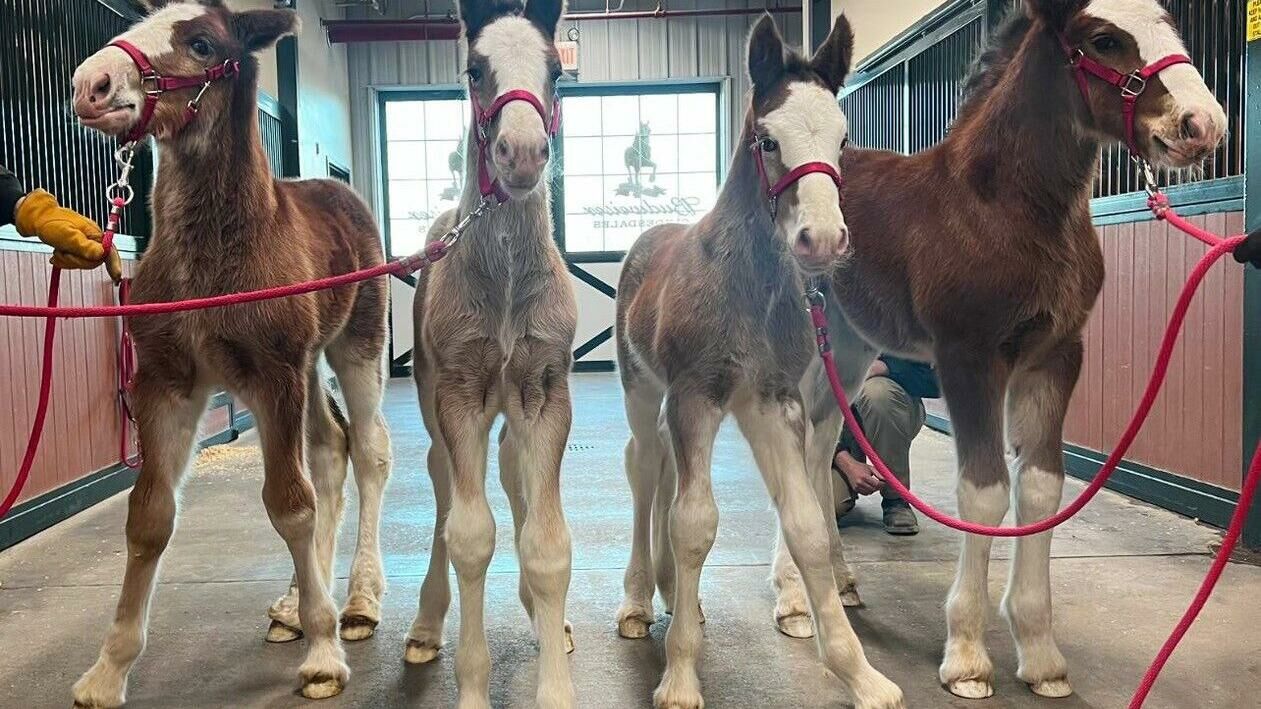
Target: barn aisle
x=226 y=564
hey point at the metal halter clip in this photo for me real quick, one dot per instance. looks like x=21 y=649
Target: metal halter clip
x=121 y=188
x=1148 y=174
x=814 y=295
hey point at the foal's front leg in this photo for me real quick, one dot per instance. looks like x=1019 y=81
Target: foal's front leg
x=465 y=420
x=166 y=415
x=974 y=383
x=1036 y=404
x=693 y=422
x=776 y=431
x=539 y=419
x=277 y=399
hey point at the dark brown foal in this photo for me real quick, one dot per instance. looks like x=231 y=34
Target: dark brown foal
x=980 y=256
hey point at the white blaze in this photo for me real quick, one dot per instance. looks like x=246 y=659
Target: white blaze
x=1144 y=20
x=517 y=55
x=810 y=127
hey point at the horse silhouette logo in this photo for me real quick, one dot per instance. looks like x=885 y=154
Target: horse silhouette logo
x=637 y=157
x=455 y=165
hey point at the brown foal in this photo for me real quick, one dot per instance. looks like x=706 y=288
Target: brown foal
x=979 y=255
x=222 y=224
x=710 y=322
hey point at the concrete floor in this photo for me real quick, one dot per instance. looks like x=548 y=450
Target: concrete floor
x=1123 y=573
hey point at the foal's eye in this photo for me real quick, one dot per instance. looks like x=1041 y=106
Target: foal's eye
x=201 y=48
x=1105 y=43
x=768 y=145
x=475 y=74
x=845 y=143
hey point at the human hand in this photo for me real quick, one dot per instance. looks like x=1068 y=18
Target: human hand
x=76 y=240
x=862 y=477
x=1250 y=250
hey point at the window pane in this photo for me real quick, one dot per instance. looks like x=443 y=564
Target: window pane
x=653 y=160
x=425 y=161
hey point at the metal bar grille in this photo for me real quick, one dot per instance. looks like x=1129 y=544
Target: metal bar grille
x=911 y=105
x=41 y=43
x=273 y=140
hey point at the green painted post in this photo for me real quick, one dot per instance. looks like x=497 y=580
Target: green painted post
x=1252 y=276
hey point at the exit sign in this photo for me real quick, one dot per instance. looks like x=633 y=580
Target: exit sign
x=568 y=51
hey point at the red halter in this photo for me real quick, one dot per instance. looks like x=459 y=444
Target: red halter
x=161 y=84
x=483 y=118
x=793 y=176
x=1132 y=85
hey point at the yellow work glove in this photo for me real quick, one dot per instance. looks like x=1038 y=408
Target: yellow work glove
x=76 y=240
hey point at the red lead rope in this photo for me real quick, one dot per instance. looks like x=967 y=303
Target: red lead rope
x=1220 y=247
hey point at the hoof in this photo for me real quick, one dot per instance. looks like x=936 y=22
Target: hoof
x=281 y=633
x=796 y=625
x=357 y=627
x=1052 y=688
x=418 y=653
x=569 y=638
x=678 y=697
x=633 y=628
x=322 y=688
x=851 y=599
x=971 y=689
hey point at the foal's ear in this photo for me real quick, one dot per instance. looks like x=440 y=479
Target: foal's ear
x=766 y=55
x=546 y=14
x=259 y=29
x=833 y=59
x=1055 y=13
x=476 y=14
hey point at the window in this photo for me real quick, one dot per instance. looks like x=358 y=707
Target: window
x=424 y=164
x=633 y=159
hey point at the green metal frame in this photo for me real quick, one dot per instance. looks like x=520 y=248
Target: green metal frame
x=1252 y=284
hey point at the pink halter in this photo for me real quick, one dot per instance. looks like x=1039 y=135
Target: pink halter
x=793 y=176
x=1132 y=85
x=161 y=84
x=487 y=184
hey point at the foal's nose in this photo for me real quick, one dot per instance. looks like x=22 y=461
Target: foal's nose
x=521 y=160
x=99 y=89
x=1199 y=131
x=817 y=248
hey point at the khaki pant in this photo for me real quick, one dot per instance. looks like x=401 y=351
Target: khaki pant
x=891 y=418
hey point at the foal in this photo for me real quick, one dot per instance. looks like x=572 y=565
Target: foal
x=709 y=321
x=222 y=224
x=980 y=255
x=495 y=323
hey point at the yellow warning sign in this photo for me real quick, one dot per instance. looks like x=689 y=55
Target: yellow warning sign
x=1254 y=20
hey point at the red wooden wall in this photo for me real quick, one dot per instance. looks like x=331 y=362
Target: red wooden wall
x=81 y=435
x=1196 y=427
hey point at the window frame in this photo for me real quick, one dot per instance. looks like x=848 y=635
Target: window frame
x=647 y=87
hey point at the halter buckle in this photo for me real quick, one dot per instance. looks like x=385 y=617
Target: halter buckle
x=1134 y=86
x=1075 y=56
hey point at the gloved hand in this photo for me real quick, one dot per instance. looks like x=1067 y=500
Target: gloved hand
x=76 y=240
x=1250 y=250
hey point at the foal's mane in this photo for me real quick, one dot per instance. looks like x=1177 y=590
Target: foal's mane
x=992 y=63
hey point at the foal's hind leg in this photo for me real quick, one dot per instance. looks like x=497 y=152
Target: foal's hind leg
x=360 y=376
x=974 y=382
x=167 y=415
x=277 y=398
x=327 y=449
x=645 y=459
x=776 y=431
x=1037 y=403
